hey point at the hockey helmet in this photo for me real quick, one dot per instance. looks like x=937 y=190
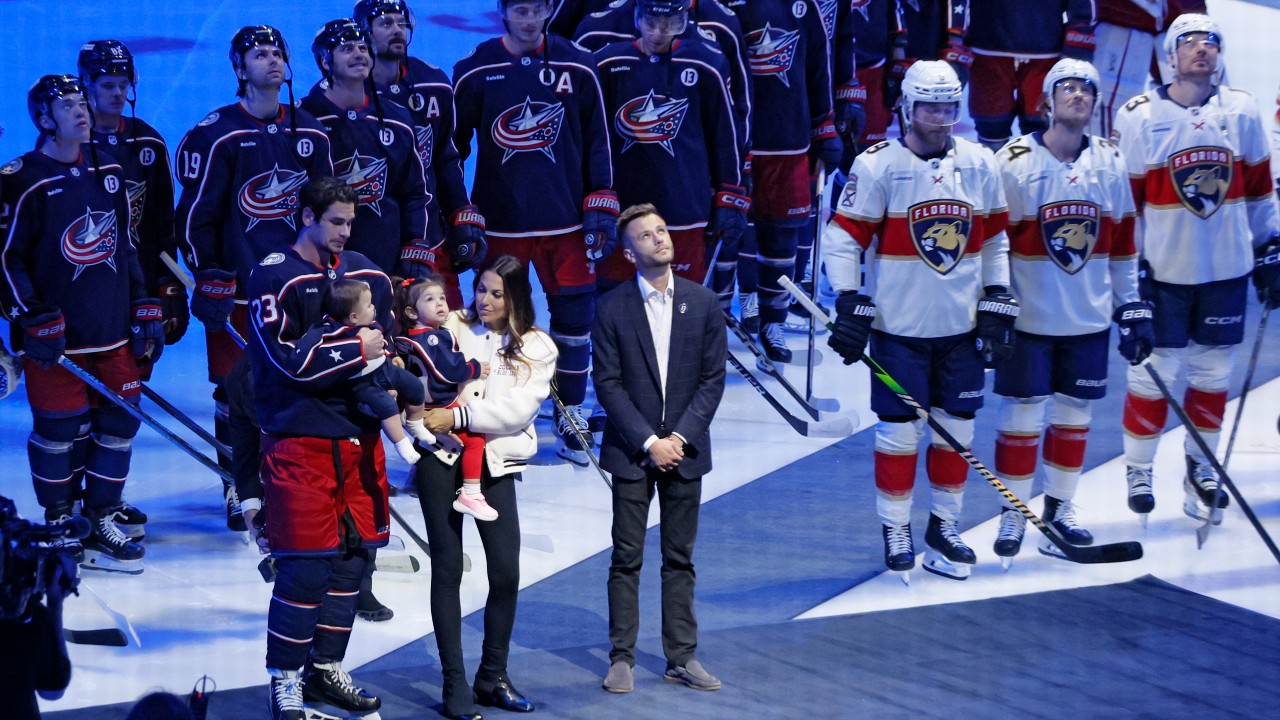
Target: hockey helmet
x=675 y=12
x=930 y=81
x=47 y=90
x=251 y=36
x=1188 y=24
x=332 y=36
x=105 y=57
x=1071 y=68
x=369 y=10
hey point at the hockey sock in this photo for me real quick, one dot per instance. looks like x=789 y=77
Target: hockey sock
x=947 y=471
x=1063 y=459
x=50 y=462
x=895 y=477
x=338 y=609
x=1144 y=419
x=1206 y=409
x=777 y=258
x=295 y=608
x=106 y=468
x=1016 y=462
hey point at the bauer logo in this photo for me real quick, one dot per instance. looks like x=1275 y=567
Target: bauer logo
x=940 y=231
x=1070 y=233
x=1201 y=176
x=366 y=175
x=771 y=52
x=651 y=119
x=528 y=127
x=91 y=239
x=272 y=195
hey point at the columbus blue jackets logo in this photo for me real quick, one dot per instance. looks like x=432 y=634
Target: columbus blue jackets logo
x=651 y=119
x=861 y=7
x=273 y=195
x=771 y=52
x=424 y=138
x=1070 y=233
x=940 y=231
x=528 y=127
x=1201 y=176
x=136 y=193
x=367 y=176
x=827 y=11
x=91 y=239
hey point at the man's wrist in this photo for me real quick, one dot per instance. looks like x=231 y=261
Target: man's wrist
x=649 y=441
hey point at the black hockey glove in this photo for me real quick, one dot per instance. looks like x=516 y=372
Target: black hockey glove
x=728 y=217
x=600 y=223
x=851 y=111
x=1146 y=281
x=214 y=299
x=997 y=312
x=1137 y=333
x=146 y=328
x=829 y=150
x=46 y=337
x=417 y=259
x=1266 y=272
x=854 y=313
x=173 y=302
x=469 y=246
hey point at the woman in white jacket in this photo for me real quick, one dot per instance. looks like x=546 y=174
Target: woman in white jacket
x=498 y=329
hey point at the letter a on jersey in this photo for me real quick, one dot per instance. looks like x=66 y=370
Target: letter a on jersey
x=1070 y=233
x=940 y=231
x=1202 y=177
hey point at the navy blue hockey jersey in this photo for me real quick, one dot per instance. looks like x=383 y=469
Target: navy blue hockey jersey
x=927 y=23
x=378 y=158
x=874 y=22
x=671 y=127
x=542 y=142
x=434 y=356
x=569 y=13
x=1026 y=29
x=66 y=244
x=240 y=179
x=148 y=182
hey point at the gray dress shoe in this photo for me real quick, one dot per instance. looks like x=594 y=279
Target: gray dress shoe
x=693 y=675
x=620 y=679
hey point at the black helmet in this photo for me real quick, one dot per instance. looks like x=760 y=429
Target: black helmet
x=331 y=37
x=662 y=8
x=368 y=10
x=251 y=36
x=47 y=90
x=105 y=57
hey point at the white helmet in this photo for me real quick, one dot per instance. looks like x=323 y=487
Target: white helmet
x=1193 y=23
x=929 y=81
x=1069 y=68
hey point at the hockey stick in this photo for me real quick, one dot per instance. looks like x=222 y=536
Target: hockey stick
x=839 y=427
x=108 y=637
x=417 y=539
x=395 y=564
x=1215 y=512
x=190 y=285
x=764 y=363
x=1085 y=554
x=122 y=623
x=815 y=261
x=1223 y=478
x=582 y=439
x=89 y=379
x=155 y=397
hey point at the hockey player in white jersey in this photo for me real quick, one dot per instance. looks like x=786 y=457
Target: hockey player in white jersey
x=1074 y=269
x=1198 y=160
x=929 y=212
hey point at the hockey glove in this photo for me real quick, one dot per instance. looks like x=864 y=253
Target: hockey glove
x=997 y=312
x=417 y=260
x=1266 y=272
x=146 y=329
x=1137 y=333
x=1146 y=281
x=468 y=246
x=854 y=313
x=600 y=223
x=851 y=111
x=10 y=372
x=173 y=302
x=46 y=337
x=959 y=55
x=728 y=216
x=1079 y=42
x=214 y=299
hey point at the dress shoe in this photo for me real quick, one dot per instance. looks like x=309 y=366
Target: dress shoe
x=465 y=716
x=504 y=696
x=692 y=675
x=621 y=678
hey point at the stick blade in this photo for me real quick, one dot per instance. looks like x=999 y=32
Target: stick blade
x=108 y=637
x=1112 y=553
x=821 y=404
x=539 y=542
x=838 y=427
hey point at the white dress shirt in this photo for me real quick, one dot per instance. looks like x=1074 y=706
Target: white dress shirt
x=657 y=306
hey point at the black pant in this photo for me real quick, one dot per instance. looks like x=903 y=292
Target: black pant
x=678 y=503
x=437 y=486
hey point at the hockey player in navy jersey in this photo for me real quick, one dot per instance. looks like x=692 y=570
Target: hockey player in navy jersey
x=455 y=238
x=543 y=177
x=932 y=208
x=240 y=169
x=928 y=30
x=73 y=286
x=673 y=138
x=569 y=14
x=1075 y=271
x=1198 y=159
x=323 y=466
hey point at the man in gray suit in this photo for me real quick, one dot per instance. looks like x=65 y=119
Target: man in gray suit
x=658 y=357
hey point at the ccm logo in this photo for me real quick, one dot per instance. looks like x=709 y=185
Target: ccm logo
x=1224 y=320
x=734 y=200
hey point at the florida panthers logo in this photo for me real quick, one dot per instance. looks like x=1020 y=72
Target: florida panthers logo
x=651 y=119
x=91 y=239
x=136 y=194
x=528 y=127
x=771 y=52
x=424 y=138
x=273 y=195
x=940 y=231
x=1070 y=233
x=1201 y=176
x=827 y=11
x=367 y=176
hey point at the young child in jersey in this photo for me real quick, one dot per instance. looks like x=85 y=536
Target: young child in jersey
x=349 y=303
x=433 y=352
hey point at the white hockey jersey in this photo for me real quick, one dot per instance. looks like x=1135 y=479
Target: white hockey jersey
x=1071 y=249
x=934 y=231
x=1202 y=182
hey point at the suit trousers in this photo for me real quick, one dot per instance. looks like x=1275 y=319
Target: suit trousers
x=679 y=500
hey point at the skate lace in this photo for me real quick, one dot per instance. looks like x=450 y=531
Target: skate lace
x=949 y=531
x=773 y=333
x=574 y=413
x=107 y=528
x=1066 y=516
x=1011 y=526
x=899 y=538
x=288 y=693
x=342 y=679
x=750 y=304
x=1139 y=481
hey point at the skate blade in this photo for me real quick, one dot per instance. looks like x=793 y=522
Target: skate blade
x=1006 y=563
x=1196 y=510
x=904 y=576
x=331 y=713
x=1048 y=549
x=940 y=565
x=94 y=560
x=576 y=457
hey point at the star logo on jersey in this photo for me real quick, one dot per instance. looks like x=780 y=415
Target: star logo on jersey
x=528 y=127
x=424 y=138
x=771 y=52
x=91 y=239
x=273 y=195
x=861 y=7
x=367 y=176
x=1201 y=176
x=940 y=231
x=651 y=119
x=827 y=11
x=1070 y=232
x=136 y=194
x=336 y=355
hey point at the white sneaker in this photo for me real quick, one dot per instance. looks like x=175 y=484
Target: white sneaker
x=475 y=506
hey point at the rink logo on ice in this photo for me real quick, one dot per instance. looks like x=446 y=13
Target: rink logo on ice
x=654 y=119
x=771 y=52
x=1070 y=233
x=1201 y=176
x=528 y=127
x=272 y=195
x=91 y=239
x=366 y=175
x=940 y=232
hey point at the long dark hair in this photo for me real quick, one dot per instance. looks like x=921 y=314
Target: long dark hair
x=519 y=301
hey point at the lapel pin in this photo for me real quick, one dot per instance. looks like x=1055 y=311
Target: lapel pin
x=683 y=307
